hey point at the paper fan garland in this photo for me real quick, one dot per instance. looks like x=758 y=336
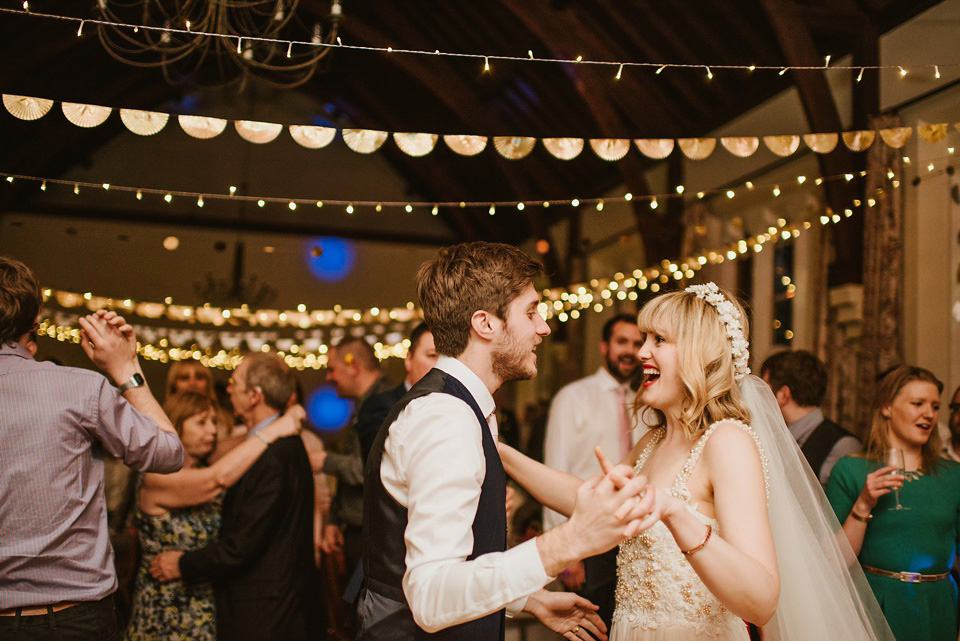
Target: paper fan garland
x=415 y=144
x=564 y=148
x=312 y=137
x=656 y=148
x=25 y=107
x=465 y=145
x=202 y=127
x=85 y=115
x=741 y=146
x=821 y=143
x=143 y=123
x=896 y=137
x=364 y=141
x=858 y=140
x=782 y=145
x=514 y=147
x=697 y=148
x=258 y=132
x=610 y=149
x=933 y=133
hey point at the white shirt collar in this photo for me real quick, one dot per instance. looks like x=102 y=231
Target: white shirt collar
x=607 y=381
x=471 y=381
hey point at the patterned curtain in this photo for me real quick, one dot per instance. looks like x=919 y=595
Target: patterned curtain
x=857 y=350
x=881 y=344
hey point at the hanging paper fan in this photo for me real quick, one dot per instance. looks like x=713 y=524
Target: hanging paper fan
x=858 y=140
x=821 y=143
x=610 y=148
x=741 y=146
x=312 y=137
x=416 y=144
x=697 y=148
x=25 y=107
x=364 y=141
x=85 y=115
x=514 y=147
x=933 y=133
x=258 y=132
x=564 y=148
x=656 y=148
x=466 y=145
x=782 y=145
x=202 y=127
x=143 y=123
x=896 y=137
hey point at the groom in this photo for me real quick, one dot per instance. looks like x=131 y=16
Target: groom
x=434 y=522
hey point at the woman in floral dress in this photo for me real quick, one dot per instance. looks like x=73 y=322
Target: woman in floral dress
x=181 y=511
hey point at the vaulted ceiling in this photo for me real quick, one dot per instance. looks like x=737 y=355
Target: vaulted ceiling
x=398 y=92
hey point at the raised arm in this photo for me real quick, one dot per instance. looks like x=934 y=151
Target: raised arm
x=195 y=486
x=554 y=489
x=853 y=504
x=109 y=342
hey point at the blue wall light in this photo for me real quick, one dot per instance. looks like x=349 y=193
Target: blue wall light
x=328 y=411
x=330 y=259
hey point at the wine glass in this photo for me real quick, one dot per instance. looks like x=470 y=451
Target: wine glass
x=894 y=457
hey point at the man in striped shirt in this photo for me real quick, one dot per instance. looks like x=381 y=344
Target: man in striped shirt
x=57 y=575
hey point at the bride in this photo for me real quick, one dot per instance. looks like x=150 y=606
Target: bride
x=744 y=531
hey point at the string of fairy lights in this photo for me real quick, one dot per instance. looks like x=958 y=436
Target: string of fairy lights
x=561 y=303
x=352 y=206
x=619 y=65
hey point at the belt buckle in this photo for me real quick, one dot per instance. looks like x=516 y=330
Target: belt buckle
x=910 y=577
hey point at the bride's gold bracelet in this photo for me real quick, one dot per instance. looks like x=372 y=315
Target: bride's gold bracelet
x=702 y=543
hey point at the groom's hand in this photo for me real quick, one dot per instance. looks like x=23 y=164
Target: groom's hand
x=654 y=505
x=568 y=614
x=603 y=516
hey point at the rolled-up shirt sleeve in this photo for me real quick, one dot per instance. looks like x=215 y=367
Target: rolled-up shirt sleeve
x=438 y=457
x=133 y=437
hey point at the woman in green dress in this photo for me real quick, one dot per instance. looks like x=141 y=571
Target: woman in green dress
x=906 y=553
x=181 y=511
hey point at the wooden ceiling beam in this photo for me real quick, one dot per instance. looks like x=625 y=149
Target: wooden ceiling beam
x=822 y=115
x=447 y=88
x=653 y=230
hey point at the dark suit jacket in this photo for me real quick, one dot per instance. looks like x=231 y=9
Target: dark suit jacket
x=262 y=564
x=371 y=415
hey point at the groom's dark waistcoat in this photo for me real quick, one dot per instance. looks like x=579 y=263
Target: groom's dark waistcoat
x=383 y=611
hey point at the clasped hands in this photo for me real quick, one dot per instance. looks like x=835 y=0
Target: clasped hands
x=616 y=505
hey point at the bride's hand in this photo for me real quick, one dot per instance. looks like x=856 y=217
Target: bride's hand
x=645 y=509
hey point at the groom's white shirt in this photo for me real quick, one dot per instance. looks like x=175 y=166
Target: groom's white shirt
x=433 y=465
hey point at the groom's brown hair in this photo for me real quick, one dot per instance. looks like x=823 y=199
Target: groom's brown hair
x=469 y=277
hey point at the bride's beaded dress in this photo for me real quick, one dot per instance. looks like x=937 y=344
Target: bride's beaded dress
x=659 y=595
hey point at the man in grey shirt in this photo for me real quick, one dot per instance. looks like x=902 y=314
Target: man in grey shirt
x=57 y=575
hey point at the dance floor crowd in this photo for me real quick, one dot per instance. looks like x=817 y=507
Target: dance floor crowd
x=671 y=494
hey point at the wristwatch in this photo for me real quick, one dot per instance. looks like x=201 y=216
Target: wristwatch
x=135 y=381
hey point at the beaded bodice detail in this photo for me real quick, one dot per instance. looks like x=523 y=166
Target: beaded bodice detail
x=656 y=586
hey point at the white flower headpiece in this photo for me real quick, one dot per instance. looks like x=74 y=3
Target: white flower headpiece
x=730 y=318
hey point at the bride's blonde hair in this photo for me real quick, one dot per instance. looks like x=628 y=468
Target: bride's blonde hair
x=705 y=363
